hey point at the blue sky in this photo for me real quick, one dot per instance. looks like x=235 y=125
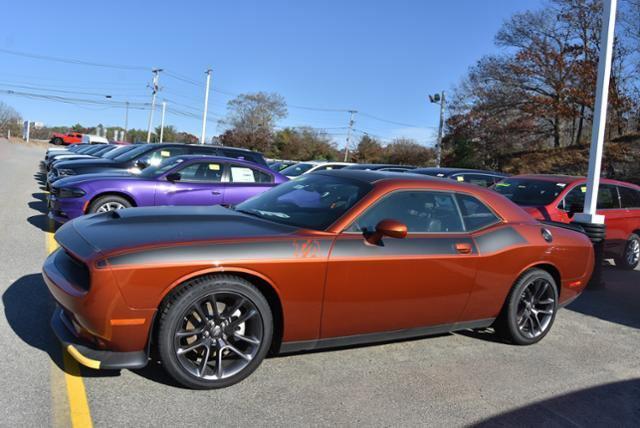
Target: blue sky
x=377 y=57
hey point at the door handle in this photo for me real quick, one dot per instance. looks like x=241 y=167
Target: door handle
x=215 y=193
x=463 y=247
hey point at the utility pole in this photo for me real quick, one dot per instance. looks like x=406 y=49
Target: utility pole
x=351 y=122
x=439 y=98
x=126 y=121
x=206 y=107
x=164 y=106
x=154 y=88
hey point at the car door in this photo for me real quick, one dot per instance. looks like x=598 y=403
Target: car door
x=421 y=280
x=244 y=182
x=198 y=183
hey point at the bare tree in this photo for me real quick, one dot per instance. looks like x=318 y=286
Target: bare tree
x=9 y=120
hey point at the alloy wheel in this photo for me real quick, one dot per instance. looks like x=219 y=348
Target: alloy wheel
x=218 y=336
x=110 y=206
x=633 y=252
x=535 y=308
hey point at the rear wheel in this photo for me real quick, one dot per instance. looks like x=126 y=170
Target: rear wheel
x=108 y=203
x=57 y=141
x=631 y=256
x=530 y=309
x=214 y=332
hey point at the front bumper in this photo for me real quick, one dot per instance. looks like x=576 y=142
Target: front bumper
x=83 y=351
x=65 y=209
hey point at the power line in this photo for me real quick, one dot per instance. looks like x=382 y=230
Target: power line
x=72 y=61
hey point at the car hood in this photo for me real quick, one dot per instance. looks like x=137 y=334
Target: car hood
x=85 y=163
x=74 y=180
x=135 y=228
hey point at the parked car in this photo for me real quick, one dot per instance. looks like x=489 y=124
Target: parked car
x=144 y=155
x=334 y=258
x=301 y=168
x=59 y=139
x=380 y=167
x=473 y=176
x=559 y=197
x=94 y=139
x=180 y=180
x=93 y=152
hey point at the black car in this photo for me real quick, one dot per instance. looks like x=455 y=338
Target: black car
x=473 y=176
x=380 y=167
x=96 y=151
x=145 y=155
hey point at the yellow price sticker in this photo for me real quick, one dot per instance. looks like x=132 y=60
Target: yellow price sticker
x=583 y=189
x=214 y=167
x=460 y=178
x=165 y=153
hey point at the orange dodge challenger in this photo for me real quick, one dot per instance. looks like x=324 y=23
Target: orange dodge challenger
x=334 y=258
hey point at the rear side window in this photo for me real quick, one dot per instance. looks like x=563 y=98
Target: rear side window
x=475 y=214
x=630 y=198
x=607 y=197
x=243 y=174
x=421 y=212
x=205 y=172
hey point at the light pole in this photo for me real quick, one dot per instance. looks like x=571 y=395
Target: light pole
x=126 y=121
x=351 y=122
x=206 y=107
x=439 y=99
x=164 y=106
x=591 y=222
x=154 y=89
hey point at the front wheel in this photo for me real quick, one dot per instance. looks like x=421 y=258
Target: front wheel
x=108 y=203
x=214 y=331
x=57 y=141
x=631 y=256
x=530 y=309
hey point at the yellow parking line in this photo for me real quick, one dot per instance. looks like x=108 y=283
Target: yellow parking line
x=78 y=411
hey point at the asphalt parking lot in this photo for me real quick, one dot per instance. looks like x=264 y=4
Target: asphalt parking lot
x=586 y=372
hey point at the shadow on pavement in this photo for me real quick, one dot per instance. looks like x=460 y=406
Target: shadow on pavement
x=28 y=308
x=617 y=301
x=612 y=404
x=41 y=220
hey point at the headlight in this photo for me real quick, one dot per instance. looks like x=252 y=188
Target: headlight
x=62 y=172
x=71 y=193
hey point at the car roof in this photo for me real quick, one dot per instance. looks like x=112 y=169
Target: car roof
x=364 y=166
x=374 y=176
x=568 y=179
x=449 y=171
x=212 y=158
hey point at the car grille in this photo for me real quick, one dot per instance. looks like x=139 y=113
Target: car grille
x=73 y=270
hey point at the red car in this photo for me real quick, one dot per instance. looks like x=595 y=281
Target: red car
x=558 y=197
x=65 y=139
x=331 y=259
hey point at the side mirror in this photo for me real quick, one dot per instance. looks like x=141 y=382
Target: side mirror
x=174 y=176
x=387 y=227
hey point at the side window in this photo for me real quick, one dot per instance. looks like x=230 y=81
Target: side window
x=243 y=174
x=574 y=200
x=421 y=212
x=477 y=179
x=154 y=157
x=629 y=197
x=608 y=197
x=475 y=214
x=201 y=172
x=329 y=167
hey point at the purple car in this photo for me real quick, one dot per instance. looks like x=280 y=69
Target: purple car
x=180 y=180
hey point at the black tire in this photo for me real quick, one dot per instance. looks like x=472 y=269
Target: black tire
x=57 y=141
x=517 y=324
x=177 y=309
x=114 y=200
x=625 y=261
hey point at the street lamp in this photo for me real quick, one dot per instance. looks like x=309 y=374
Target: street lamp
x=439 y=99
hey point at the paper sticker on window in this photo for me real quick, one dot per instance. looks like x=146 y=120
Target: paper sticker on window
x=242 y=175
x=165 y=153
x=503 y=184
x=583 y=189
x=440 y=175
x=460 y=178
x=214 y=167
x=329 y=168
x=561 y=184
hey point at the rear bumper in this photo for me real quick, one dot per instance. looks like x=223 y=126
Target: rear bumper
x=83 y=352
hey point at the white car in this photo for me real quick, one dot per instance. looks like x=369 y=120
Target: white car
x=298 y=169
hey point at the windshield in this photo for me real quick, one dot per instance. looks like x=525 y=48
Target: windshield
x=164 y=166
x=297 y=169
x=312 y=201
x=117 y=152
x=131 y=154
x=530 y=192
